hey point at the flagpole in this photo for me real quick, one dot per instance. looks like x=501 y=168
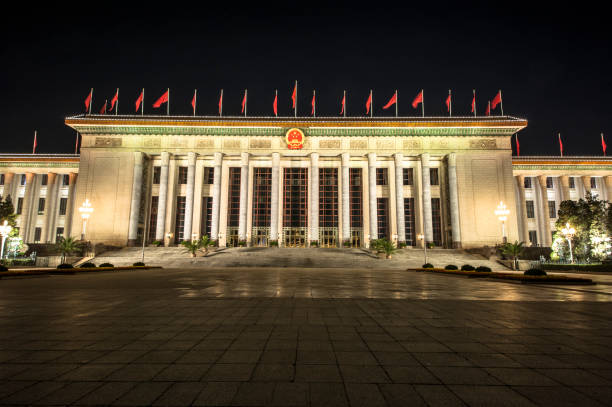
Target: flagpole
x=221 y=105
x=474 y=101
x=168 y=104
x=117 y=105
x=314 y=105
x=450 y=104
x=423 y=102
x=276 y=100
x=602 y=144
x=344 y=107
x=296 y=100
x=396 y=103
x=142 y=104
x=90 y=99
x=246 y=101
x=34 y=145
x=76 y=144
x=371 y=104
x=560 y=144
x=501 y=103
x=195 y=100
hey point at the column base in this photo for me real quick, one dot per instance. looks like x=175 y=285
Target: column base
x=456 y=245
x=132 y=243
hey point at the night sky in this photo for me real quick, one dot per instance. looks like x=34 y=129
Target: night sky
x=553 y=65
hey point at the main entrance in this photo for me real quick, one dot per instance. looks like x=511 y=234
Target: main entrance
x=295 y=207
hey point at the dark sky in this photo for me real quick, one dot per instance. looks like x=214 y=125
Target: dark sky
x=552 y=64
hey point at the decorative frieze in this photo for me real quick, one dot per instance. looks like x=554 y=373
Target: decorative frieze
x=483 y=144
x=152 y=142
x=205 y=143
x=231 y=143
x=413 y=145
x=108 y=142
x=330 y=144
x=359 y=144
x=260 y=143
x=385 y=144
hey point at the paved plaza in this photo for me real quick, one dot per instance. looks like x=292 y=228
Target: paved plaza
x=301 y=337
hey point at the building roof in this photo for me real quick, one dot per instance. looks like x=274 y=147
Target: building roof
x=39 y=160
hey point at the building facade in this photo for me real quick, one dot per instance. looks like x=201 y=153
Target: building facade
x=295 y=181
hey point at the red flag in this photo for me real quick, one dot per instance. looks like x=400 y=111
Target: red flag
x=488 y=109
x=103 y=110
x=88 y=100
x=313 y=103
x=448 y=102
x=603 y=144
x=418 y=99
x=114 y=100
x=474 y=103
x=193 y=100
x=343 y=103
x=496 y=100
x=518 y=146
x=369 y=103
x=391 y=101
x=34 y=145
x=139 y=100
x=560 y=145
x=221 y=103
x=275 y=104
x=162 y=99
x=294 y=94
x=244 y=101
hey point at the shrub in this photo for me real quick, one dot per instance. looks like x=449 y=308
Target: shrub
x=468 y=267
x=138 y=264
x=87 y=265
x=107 y=265
x=427 y=266
x=483 y=269
x=273 y=243
x=346 y=243
x=430 y=245
x=535 y=272
x=314 y=243
x=3 y=267
x=65 y=266
x=451 y=267
x=242 y=243
x=156 y=243
x=401 y=245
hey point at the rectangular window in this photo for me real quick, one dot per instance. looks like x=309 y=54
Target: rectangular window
x=182 y=175
x=153 y=218
x=355 y=195
x=209 y=175
x=408 y=175
x=1 y=179
x=205 y=226
x=19 y=206
x=63 y=205
x=45 y=179
x=156 y=175
x=434 y=179
x=23 y=179
x=41 y=206
x=37 y=234
x=533 y=237
x=382 y=209
x=179 y=221
x=549 y=183
x=527 y=182
x=233 y=197
x=295 y=198
x=572 y=183
x=66 y=179
x=409 y=221
x=262 y=196
x=381 y=176
x=436 y=221
x=593 y=183
x=59 y=232
x=552 y=209
x=530 y=209
x=328 y=197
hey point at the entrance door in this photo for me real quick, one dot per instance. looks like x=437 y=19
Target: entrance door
x=295 y=206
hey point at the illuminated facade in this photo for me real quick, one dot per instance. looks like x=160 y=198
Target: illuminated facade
x=296 y=181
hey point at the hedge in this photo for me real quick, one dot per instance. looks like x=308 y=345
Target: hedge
x=576 y=267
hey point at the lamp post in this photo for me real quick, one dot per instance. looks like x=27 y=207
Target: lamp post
x=569 y=232
x=5 y=230
x=422 y=237
x=502 y=213
x=85 y=210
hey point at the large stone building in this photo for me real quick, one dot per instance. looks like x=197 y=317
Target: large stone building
x=295 y=181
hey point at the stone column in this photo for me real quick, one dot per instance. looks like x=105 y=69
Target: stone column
x=216 y=196
x=346 y=201
x=314 y=196
x=244 y=195
x=136 y=194
x=8 y=186
x=163 y=197
x=372 y=198
x=274 y=196
x=399 y=197
x=191 y=164
x=565 y=189
x=49 y=217
x=608 y=185
x=547 y=239
x=454 y=200
x=522 y=208
x=426 y=185
x=586 y=182
x=24 y=226
x=72 y=180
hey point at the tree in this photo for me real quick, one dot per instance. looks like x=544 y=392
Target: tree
x=513 y=250
x=387 y=247
x=7 y=212
x=68 y=245
x=194 y=245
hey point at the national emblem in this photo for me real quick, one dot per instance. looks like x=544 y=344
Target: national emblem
x=295 y=139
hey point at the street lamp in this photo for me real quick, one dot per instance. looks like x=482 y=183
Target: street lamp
x=5 y=230
x=86 y=209
x=569 y=232
x=422 y=237
x=502 y=214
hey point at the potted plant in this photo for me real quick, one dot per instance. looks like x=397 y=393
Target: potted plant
x=156 y=243
x=513 y=250
x=242 y=243
x=387 y=247
x=347 y=243
x=205 y=243
x=314 y=243
x=192 y=246
x=273 y=243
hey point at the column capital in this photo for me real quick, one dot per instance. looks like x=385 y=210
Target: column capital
x=425 y=159
x=218 y=159
x=314 y=156
x=275 y=159
x=372 y=159
x=452 y=159
x=138 y=158
x=244 y=158
x=165 y=158
x=399 y=158
x=346 y=158
x=191 y=158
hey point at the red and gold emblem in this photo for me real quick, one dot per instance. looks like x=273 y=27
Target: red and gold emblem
x=295 y=139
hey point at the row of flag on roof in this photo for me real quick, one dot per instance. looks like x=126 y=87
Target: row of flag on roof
x=604 y=146
x=393 y=101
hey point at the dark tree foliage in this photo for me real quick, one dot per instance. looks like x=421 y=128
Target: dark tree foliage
x=7 y=212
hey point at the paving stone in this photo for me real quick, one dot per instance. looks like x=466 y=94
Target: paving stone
x=32 y=393
x=356 y=358
x=291 y=394
x=217 y=394
x=180 y=394
x=490 y=360
x=254 y=394
x=240 y=356
x=44 y=372
x=490 y=395
x=90 y=372
x=316 y=357
x=438 y=395
x=182 y=372
x=278 y=356
x=69 y=394
x=420 y=347
x=265 y=372
x=411 y=374
x=575 y=377
x=441 y=359
x=363 y=374
x=463 y=375
x=143 y=394
x=317 y=373
x=200 y=356
x=136 y=373
x=327 y=395
x=556 y=396
x=366 y=395
x=224 y=372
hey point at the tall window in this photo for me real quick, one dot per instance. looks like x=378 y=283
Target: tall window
x=527 y=182
x=153 y=218
x=593 y=183
x=409 y=221
x=328 y=197
x=355 y=194
x=381 y=176
x=19 y=206
x=59 y=232
x=209 y=175
x=533 y=237
x=45 y=180
x=37 y=234
x=382 y=209
x=63 y=205
x=434 y=179
x=1 y=179
x=408 y=175
x=41 y=206
x=572 y=183
x=530 y=209
x=205 y=226
x=156 y=175
x=182 y=175
x=549 y=182
x=262 y=196
x=295 y=198
x=179 y=224
x=233 y=198
x=23 y=179
x=552 y=209
x=436 y=221
x=66 y=179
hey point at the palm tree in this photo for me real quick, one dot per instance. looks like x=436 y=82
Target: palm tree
x=513 y=250
x=205 y=242
x=67 y=245
x=387 y=246
x=194 y=245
